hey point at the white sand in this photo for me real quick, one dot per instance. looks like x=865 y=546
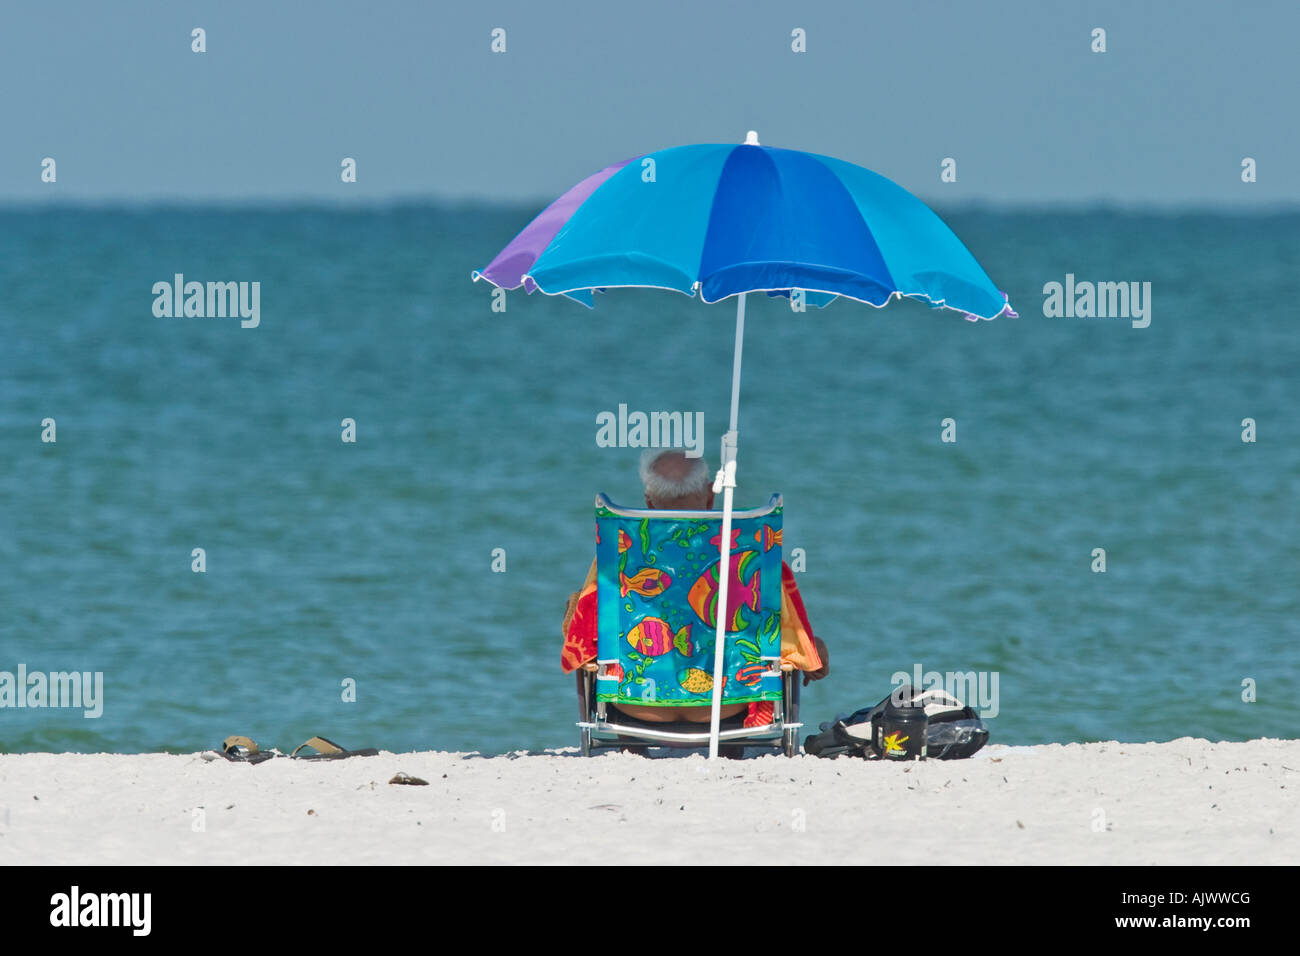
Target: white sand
x=1187 y=801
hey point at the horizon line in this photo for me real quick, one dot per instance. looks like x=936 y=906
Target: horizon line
x=252 y=203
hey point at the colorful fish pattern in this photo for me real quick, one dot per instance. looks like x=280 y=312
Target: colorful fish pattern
x=648 y=582
x=653 y=637
x=660 y=581
x=742 y=588
x=697 y=680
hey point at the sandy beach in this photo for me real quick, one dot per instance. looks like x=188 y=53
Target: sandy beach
x=1185 y=801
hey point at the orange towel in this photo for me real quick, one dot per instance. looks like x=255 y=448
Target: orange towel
x=580 y=626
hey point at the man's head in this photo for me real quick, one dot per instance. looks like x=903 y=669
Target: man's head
x=676 y=482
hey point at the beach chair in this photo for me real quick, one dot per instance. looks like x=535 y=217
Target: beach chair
x=657 y=606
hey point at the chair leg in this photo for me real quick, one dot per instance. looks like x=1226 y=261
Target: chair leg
x=584 y=700
x=790 y=737
x=584 y=709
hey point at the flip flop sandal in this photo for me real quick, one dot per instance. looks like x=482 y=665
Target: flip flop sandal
x=245 y=750
x=329 y=750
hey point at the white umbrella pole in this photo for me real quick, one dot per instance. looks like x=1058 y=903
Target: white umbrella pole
x=725 y=482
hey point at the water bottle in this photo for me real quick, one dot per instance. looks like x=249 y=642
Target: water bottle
x=898 y=731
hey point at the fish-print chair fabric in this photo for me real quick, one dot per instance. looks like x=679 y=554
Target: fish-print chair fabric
x=657 y=605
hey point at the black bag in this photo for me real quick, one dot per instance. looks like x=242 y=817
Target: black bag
x=952 y=731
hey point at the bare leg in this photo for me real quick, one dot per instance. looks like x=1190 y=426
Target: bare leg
x=663 y=715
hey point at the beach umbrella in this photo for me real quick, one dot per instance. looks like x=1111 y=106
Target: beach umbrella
x=724 y=220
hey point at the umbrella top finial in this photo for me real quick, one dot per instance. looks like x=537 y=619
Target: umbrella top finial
x=751 y=138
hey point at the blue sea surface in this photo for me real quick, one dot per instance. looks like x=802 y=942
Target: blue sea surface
x=476 y=430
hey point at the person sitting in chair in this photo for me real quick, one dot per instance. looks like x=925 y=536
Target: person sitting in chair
x=674 y=481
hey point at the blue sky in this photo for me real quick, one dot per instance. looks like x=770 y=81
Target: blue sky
x=412 y=91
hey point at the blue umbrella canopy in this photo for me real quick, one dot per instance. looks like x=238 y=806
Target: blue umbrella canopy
x=719 y=220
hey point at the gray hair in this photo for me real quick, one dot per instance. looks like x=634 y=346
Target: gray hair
x=660 y=487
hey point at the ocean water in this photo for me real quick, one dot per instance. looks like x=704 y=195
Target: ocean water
x=328 y=561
